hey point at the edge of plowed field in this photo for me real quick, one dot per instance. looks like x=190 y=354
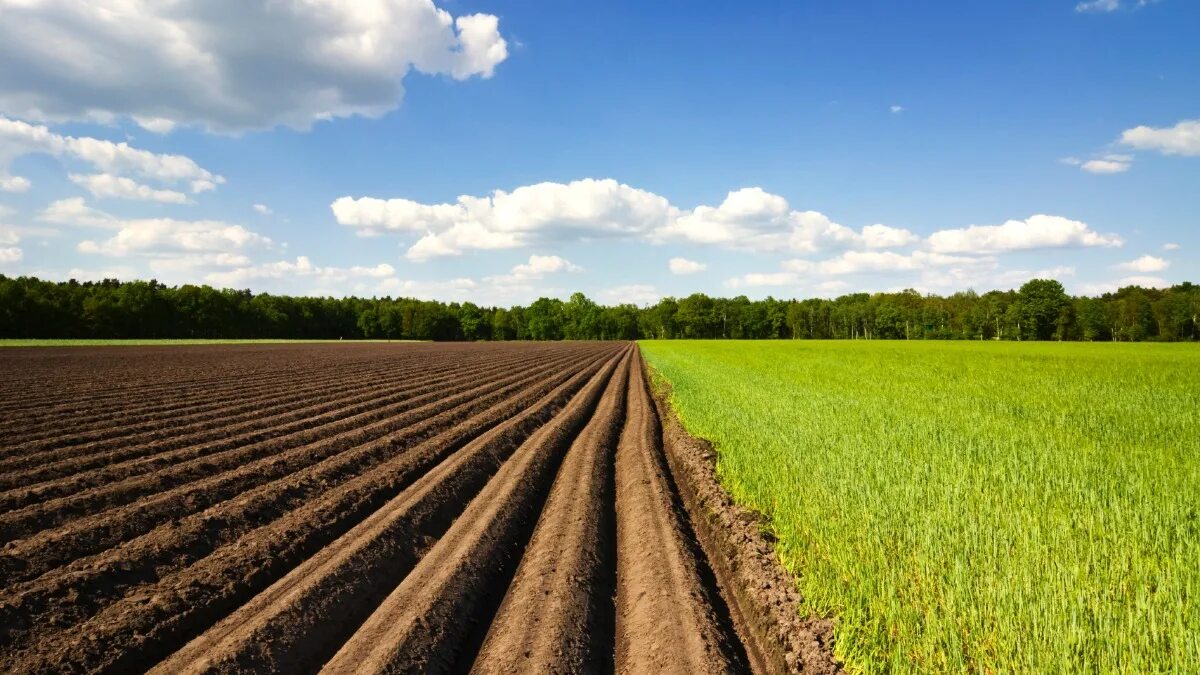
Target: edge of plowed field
x=761 y=594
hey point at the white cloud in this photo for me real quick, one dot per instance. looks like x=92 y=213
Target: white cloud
x=157 y=125
x=302 y=268
x=10 y=254
x=756 y=279
x=522 y=282
x=151 y=236
x=756 y=220
x=13 y=183
x=1170 y=246
x=1181 y=139
x=1145 y=264
x=748 y=219
x=585 y=209
x=20 y=138
x=188 y=267
x=9 y=237
x=119 y=187
x=1105 y=166
x=1104 y=6
x=685 y=266
x=1108 y=164
x=1098 y=288
x=262 y=209
x=1039 y=231
x=1098 y=6
x=852 y=262
x=590 y=209
x=635 y=294
x=882 y=236
x=75 y=211
x=832 y=286
x=541 y=265
x=932 y=272
x=461 y=288
x=896 y=109
x=230 y=65
x=798 y=271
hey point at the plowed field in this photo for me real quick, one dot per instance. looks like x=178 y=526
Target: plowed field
x=368 y=508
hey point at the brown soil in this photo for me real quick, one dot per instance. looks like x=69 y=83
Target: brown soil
x=368 y=508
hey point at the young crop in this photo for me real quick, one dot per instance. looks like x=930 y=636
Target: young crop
x=965 y=506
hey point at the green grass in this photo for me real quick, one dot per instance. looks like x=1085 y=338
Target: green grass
x=969 y=507
x=133 y=343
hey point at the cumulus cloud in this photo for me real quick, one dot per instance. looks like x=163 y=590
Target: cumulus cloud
x=1107 y=166
x=9 y=237
x=262 y=209
x=1145 y=264
x=13 y=183
x=1105 y=6
x=797 y=271
x=302 y=267
x=1098 y=6
x=685 y=266
x=1039 y=231
x=76 y=212
x=1171 y=246
x=20 y=138
x=10 y=254
x=634 y=294
x=120 y=187
x=1099 y=288
x=881 y=261
x=230 y=65
x=754 y=219
x=1181 y=139
x=882 y=236
x=541 y=265
x=584 y=209
x=591 y=209
x=896 y=109
x=151 y=236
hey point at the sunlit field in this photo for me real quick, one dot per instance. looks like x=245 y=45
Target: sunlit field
x=988 y=507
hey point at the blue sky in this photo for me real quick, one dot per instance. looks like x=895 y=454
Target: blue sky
x=639 y=149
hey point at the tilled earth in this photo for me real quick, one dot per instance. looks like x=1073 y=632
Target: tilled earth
x=364 y=508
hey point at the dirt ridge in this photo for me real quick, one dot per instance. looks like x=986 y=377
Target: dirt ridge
x=444 y=508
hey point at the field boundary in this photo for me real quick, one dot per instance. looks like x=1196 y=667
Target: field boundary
x=758 y=590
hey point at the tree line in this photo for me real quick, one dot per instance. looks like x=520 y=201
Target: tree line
x=1040 y=310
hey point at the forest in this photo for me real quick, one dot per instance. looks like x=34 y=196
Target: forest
x=1039 y=310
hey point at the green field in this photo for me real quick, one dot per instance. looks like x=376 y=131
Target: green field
x=153 y=343
x=986 y=507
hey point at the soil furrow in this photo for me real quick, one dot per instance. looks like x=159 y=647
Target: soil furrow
x=162 y=501
x=243 y=403
x=666 y=621
x=492 y=508
x=82 y=473
x=337 y=589
x=115 y=573
x=557 y=616
x=145 y=626
x=427 y=621
x=86 y=429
